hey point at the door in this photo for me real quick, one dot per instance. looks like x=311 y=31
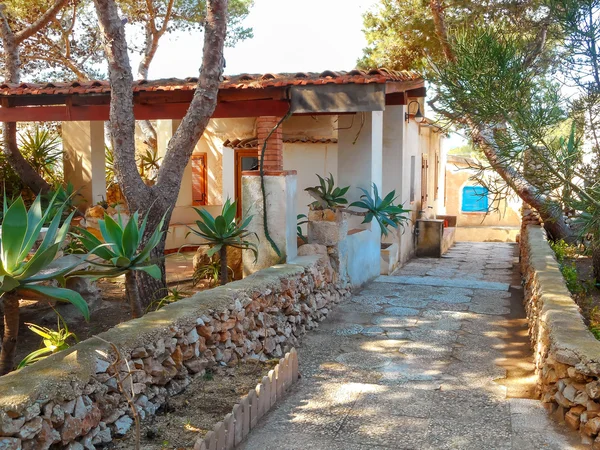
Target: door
x=424 y=181
x=199 y=179
x=245 y=159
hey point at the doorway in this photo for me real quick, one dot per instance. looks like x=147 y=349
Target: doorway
x=245 y=159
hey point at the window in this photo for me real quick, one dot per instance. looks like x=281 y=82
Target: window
x=199 y=179
x=475 y=199
x=412 y=178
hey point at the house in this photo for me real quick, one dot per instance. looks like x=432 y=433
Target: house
x=364 y=128
x=480 y=217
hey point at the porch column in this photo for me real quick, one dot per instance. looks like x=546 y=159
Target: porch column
x=84 y=161
x=229 y=173
x=280 y=188
x=360 y=153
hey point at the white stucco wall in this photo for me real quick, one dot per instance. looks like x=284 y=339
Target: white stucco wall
x=308 y=160
x=364 y=254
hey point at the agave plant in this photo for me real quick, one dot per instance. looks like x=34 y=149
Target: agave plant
x=121 y=252
x=54 y=341
x=382 y=210
x=23 y=269
x=66 y=197
x=224 y=231
x=326 y=194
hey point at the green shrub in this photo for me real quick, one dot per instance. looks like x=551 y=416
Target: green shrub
x=563 y=250
x=569 y=272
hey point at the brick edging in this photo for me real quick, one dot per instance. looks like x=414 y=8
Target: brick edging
x=245 y=415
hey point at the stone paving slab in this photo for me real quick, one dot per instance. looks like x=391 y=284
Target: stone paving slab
x=413 y=361
x=443 y=282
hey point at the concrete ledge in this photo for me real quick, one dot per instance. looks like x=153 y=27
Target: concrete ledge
x=567 y=355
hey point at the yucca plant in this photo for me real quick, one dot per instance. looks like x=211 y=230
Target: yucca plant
x=224 y=231
x=54 y=341
x=382 y=210
x=42 y=150
x=149 y=164
x=326 y=194
x=121 y=252
x=23 y=270
x=109 y=166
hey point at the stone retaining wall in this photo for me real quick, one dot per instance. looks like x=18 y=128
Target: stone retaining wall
x=73 y=398
x=567 y=356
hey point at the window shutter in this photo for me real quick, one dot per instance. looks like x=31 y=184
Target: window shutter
x=475 y=199
x=199 y=179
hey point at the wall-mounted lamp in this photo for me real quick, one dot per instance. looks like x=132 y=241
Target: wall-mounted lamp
x=419 y=117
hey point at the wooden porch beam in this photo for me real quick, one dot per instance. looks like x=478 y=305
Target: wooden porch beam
x=397 y=98
x=403 y=86
x=141 y=111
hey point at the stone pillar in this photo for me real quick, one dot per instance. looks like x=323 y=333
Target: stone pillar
x=84 y=161
x=280 y=187
x=360 y=154
x=393 y=136
x=274 y=150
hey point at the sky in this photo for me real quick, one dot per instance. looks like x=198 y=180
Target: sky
x=289 y=36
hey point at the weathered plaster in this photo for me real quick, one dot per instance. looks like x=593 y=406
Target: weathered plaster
x=84 y=160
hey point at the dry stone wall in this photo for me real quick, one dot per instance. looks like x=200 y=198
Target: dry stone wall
x=73 y=399
x=567 y=355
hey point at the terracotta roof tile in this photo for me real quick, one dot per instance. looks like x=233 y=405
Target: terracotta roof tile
x=242 y=81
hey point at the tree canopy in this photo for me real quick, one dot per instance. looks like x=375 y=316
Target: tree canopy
x=401 y=33
x=70 y=46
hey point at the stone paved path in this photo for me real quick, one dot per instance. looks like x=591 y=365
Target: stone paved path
x=430 y=358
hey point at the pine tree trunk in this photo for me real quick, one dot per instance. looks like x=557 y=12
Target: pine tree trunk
x=148 y=288
x=596 y=260
x=163 y=195
x=224 y=274
x=11 y=333
x=133 y=295
x=12 y=74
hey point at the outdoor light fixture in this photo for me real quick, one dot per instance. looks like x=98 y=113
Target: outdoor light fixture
x=419 y=117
